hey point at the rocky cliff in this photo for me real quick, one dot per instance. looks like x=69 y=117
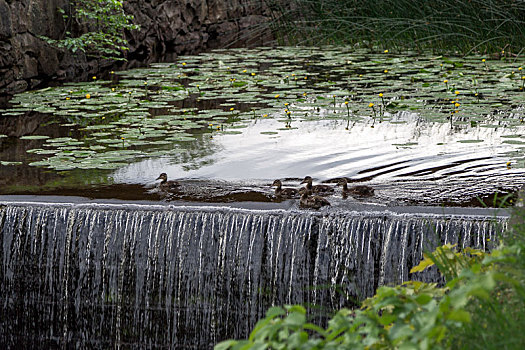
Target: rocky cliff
x=167 y=27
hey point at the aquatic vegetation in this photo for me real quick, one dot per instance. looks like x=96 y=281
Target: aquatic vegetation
x=167 y=109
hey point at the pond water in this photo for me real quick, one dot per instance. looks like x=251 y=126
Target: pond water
x=419 y=129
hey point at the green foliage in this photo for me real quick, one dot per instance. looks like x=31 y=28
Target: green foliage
x=497 y=320
x=95 y=27
x=482 y=25
x=479 y=307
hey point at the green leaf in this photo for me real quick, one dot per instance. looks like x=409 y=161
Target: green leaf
x=296 y=308
x=459 y=315
x=295 y=340
x=313 y=327
x=423 y=299
x=242 y=345
x=256 y=346
x=387 y=319
x=426 y=262
x=34 y=137
x=295 y=319
x=275 y=311
x=224 y=345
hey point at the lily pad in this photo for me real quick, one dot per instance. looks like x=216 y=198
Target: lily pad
x=34 y=137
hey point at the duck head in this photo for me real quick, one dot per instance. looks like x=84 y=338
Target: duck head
x=307 y=179
x=277 y=183
x=163 y=177
x=342 y=181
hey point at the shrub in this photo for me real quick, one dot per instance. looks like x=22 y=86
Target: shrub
x=96 y=28
x=479 y=307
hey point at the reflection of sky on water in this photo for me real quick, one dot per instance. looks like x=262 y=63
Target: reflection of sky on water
x=324 y=149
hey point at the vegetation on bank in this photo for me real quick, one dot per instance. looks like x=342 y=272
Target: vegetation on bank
x=480 y=307
x=96 y=28
x=486 y=26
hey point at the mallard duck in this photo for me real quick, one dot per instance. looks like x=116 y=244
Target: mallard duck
x=314 y=202
x=284 y=192
x=359 y=190
x=166 y=185
x=318 y=189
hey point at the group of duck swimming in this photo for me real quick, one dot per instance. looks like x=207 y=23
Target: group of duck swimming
x=311 y=195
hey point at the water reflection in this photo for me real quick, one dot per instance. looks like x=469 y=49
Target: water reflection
x=391 y=150
x=405 y=156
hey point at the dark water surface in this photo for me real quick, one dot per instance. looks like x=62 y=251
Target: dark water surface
x=445 y=131
x=237 y=167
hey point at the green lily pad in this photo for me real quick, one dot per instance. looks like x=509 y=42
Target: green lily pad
x=34 y=137
x=470 y=141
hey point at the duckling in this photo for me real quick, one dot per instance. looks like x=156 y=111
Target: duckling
x=166 y=185
x=314 y=202
x=318 y=189
x=359 y=190
x=284 y=192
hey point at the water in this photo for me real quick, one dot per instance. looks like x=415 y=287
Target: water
x=136 y=276
x=443 y=171
x=419 y=128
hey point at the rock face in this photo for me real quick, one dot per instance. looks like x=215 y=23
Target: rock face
x=167 y=27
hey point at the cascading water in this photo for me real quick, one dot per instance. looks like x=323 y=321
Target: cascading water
x=99 y=276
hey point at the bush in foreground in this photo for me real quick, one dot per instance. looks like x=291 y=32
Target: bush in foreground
x=480 y=307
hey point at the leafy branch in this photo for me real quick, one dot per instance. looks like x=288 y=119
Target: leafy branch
x=96 y=28
x=415 y=315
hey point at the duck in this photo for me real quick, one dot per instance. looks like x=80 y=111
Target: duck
x=284 y=192
x=317 y=189
x=166 y=185
x=314 y=202
x=359 y=190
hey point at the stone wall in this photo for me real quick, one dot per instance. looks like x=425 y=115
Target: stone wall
x=167 y=27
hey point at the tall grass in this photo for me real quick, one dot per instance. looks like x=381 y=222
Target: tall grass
x=487 y=26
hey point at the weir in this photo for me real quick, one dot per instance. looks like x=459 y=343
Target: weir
x=135 y=276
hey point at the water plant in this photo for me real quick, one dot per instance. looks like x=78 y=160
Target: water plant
x=161 y=113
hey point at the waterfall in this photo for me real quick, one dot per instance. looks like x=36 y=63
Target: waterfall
x=88 y=275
